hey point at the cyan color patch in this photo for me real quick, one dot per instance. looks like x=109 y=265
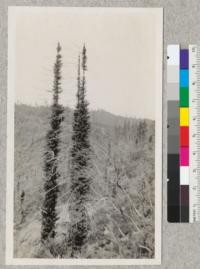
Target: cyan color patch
x=184 y=78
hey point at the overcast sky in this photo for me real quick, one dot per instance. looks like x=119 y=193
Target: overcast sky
x=122 y=47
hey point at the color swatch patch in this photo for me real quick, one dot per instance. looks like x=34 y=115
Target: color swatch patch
x=184 y=116
x=184 y=97
x=184 y=136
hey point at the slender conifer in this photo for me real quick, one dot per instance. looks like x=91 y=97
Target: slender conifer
x=80 y=163
x=49 y=216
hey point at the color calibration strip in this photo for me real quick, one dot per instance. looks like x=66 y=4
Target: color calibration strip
x=184 y=135
x=173 y=116
x=183 y=83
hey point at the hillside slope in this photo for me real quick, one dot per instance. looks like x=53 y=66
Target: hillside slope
x=121 y=204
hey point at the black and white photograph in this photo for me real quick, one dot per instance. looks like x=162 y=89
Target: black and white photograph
x=84 y=144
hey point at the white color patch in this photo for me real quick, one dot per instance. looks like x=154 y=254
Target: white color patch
x=184 y=175
x=173 y=55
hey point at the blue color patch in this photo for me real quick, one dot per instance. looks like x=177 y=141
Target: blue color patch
x=184 y=78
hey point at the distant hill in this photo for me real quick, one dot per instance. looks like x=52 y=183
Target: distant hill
x=100 y=116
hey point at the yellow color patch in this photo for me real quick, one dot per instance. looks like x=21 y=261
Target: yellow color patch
x=184 y=116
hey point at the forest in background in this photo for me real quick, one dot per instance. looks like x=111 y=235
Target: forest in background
x=121 y=203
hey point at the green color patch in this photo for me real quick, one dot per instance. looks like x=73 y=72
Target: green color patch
x=184 y=97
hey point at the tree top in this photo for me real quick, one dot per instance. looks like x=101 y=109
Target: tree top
x=58 y=47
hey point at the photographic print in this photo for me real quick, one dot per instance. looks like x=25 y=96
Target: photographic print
x=84 y=146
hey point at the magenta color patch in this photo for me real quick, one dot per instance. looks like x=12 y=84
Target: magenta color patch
x=184 y=156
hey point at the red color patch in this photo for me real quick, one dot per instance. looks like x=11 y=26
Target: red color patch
x=184 y=136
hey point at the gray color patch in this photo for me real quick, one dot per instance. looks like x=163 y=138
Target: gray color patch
x=173 y=144
x=173 y=126
x=173 y=109
x=173 y=74
x=173 y=91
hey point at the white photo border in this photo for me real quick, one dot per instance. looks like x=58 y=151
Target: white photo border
x=10 y=260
